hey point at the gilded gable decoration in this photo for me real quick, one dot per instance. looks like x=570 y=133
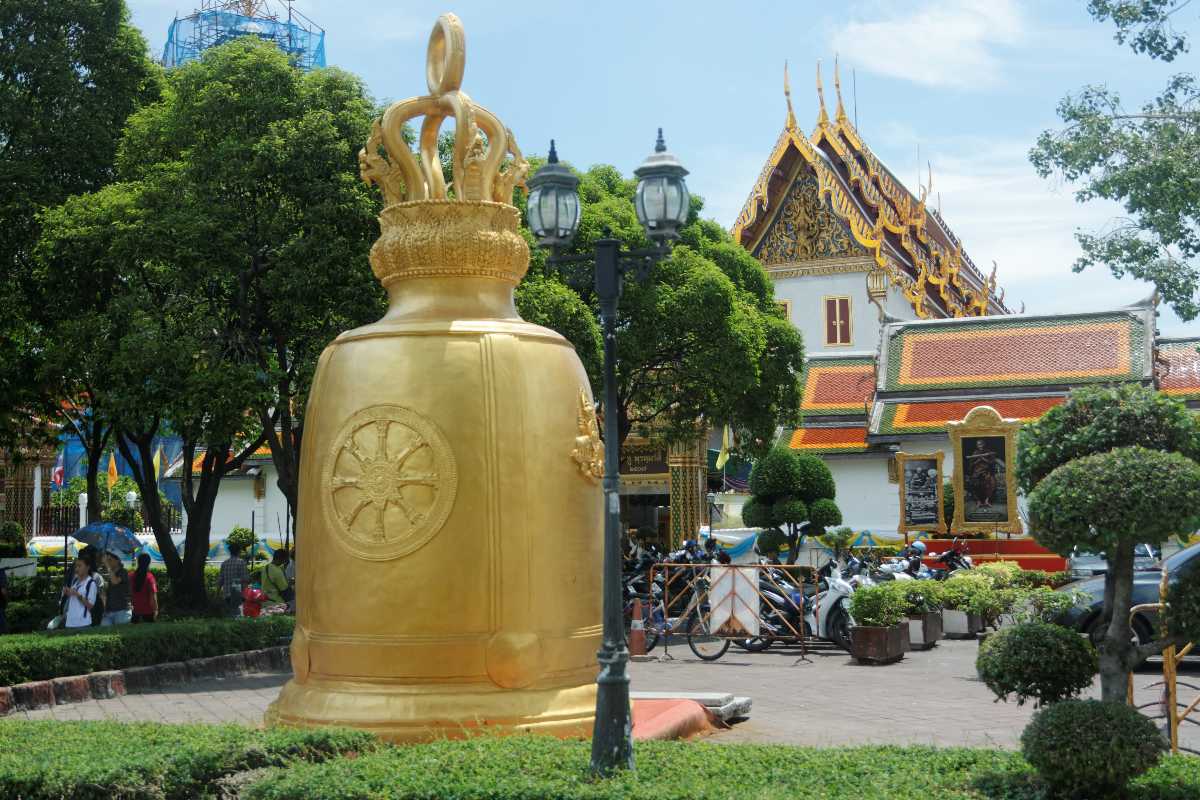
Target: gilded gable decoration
x=907 y=240
x=806 y=229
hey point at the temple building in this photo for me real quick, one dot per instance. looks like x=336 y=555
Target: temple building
x=903 y=333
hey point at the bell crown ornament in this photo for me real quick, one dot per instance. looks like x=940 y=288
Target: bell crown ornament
x=431 y=228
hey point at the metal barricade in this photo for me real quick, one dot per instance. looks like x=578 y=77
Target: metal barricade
x=711 y=605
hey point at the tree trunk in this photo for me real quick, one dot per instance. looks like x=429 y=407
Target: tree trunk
x=1116 y=649
x=147 y=481
x=793 y=540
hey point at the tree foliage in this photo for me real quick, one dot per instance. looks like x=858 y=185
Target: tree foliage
x=789 y=489
x=251 y=169
x=699 y=340
x=71 y=72
x=1097 y=501
x=229 y=253
x=1095 y=420
x=1141 y=158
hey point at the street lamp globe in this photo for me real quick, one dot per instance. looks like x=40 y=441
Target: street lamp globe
x=662 y=200
x=131 y=498
x=553 y=208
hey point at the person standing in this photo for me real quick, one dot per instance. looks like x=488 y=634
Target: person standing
x=233 y=578
x=144 y=591
x=116 y=595
x=81 y=596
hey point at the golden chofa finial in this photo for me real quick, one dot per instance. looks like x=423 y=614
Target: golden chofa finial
x=840 y=114
x=481 y=142
x=787 y=95
x=822 y=115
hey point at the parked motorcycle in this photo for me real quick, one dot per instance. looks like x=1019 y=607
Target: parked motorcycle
x=953 y=560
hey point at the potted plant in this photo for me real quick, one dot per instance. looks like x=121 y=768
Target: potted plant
x=880 y=631
x=966 y=601
x=923 y=605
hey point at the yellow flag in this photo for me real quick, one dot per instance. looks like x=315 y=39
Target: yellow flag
x=112 y=470
x=726 y=443
x=158 y=462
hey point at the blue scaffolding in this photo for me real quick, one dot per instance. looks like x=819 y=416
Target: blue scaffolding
x=296 y=35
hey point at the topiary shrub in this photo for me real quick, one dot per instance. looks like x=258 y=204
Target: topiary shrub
x=1091 y=748
x=794 y=492
x=12 y=539
x=879 y=606
x=1036 y=661
x=241 y=538
x=770 y=542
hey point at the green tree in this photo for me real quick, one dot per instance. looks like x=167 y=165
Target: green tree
x=1143 y=158
x=1106 y=470
x=700 y=342
x=239 y=232
x=259 y=209
x=71 y=72
x=791 y=492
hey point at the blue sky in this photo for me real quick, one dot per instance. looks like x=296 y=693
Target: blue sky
x=969 y=82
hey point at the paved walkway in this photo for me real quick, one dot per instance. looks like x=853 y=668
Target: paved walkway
x=930 y=697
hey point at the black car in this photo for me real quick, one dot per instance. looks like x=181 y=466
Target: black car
x=1086 y=616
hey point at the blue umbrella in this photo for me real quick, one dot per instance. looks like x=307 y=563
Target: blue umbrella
x=108 y=536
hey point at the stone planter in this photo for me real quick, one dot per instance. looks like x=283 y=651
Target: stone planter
x=960 y=625
x=924 y=630
x=871 y=645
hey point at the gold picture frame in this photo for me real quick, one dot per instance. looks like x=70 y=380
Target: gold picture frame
x=907 y=478
x=984 y=447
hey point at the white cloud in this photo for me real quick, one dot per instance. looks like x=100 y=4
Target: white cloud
x=941 y=43
x=1002 y=211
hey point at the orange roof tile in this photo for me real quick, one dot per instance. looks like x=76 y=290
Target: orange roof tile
x=1179 y=368
x=829 y=440
x=1017 y=351
x=933 y=417
x=838 y=386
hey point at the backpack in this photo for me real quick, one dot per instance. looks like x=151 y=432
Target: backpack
x=98 y=606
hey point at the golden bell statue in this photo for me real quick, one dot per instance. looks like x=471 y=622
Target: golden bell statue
x=450 y=520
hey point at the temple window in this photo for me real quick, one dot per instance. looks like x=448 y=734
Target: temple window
x=837 y=320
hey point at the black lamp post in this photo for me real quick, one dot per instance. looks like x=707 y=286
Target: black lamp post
x=662 y=208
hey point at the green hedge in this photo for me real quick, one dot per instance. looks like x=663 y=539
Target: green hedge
x=525 y=768
x=110 y=760
x=37 y=656
x=86 y=761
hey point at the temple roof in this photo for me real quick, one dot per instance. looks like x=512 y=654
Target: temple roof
x=932 y=372
x=900 y=418
x=1179 y=368
x=1017 y=351
x=844 y=439
x=838 y=385
x=909 y=241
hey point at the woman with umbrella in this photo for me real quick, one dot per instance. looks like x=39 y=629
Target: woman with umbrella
x=116 y=594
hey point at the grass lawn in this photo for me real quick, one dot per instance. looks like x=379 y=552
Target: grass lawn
x=114 y=760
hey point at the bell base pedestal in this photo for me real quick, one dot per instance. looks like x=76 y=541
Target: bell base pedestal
x=422 y=713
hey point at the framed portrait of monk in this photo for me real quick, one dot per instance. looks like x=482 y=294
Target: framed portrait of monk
x=920 y=478
x=985 y=487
